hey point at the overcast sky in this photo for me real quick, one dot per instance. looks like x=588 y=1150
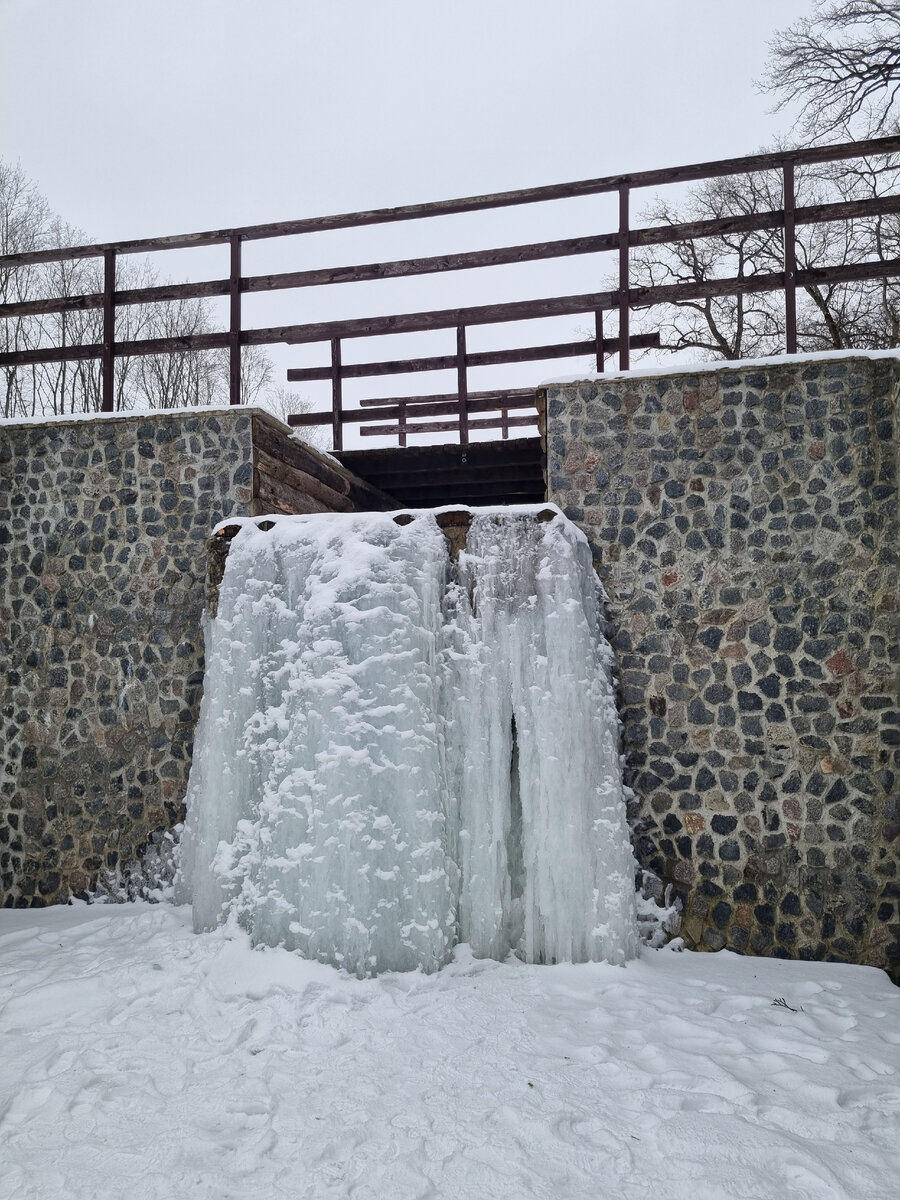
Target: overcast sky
x=146 y=117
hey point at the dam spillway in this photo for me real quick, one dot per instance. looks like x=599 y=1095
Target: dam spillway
x=399 y=750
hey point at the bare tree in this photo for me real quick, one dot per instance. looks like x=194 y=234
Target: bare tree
x=282 y=403
x=24 y=215
x=829 y=316
x=183 y=379
x=842 y=63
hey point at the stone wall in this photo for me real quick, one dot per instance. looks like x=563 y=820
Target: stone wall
x=744 y=522
x=103 y=530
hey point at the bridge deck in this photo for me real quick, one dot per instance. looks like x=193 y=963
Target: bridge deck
x=482 y=473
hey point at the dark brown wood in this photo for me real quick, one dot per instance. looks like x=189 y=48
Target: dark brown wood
x=336 y=395
x=510 y=397
x=474 y=358
x=418 y=461
x=234 y=330
x=108 y=362
x=609 y=183
x=445 y=318
x=443 y=492
x=598 y=339
x=273 y=495
x=297 y=455
x=401 y=425
x=501 y=471
x=462 y=386
x=440 y=263
x=495 y=472
x=445 y=426
x=518 y=310
x=275 y=469
x=391 y=410
x=623 y=298
x=790 y=261
x=653 y=235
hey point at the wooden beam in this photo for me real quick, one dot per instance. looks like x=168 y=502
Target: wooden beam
x=474 y=358
x=303 y=458
x=624 y=301
x=392 y=410
x=511 y=398
x=234 y=328
x=487 y=314
x=108 y=364
x=445 y=426
x=587 y=187
x=650 y=236
x=282 y=472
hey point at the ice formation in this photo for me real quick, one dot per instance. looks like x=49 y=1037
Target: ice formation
x=396 y=753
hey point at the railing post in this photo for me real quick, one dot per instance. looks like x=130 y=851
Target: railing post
x=790 y=262
x=504 y=423
x=108 y=371
x=624 y=321
x=401 y=436
x=234 y=330
x=462 y=386
x=598 y=338
x=337 y=404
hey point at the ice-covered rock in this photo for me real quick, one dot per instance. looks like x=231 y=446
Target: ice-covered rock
x=395 y=753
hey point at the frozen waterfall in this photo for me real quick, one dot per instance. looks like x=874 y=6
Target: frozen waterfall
x=396 y=752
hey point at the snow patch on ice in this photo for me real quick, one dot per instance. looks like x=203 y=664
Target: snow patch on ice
x=394 y=754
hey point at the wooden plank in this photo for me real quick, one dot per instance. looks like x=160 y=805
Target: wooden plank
x=511 y=398
x=443 y=362
x=426 y=459
x=462 y=387
x=462 y=493
x=447 y=318
x=650 y=236
x=234 y=327
x=280 y=472
x=505 y=473
x=271 y=495
x=790 y=262
x=610 y=183
x=337 y=404
x=418 y=461
x=478 y=487
x=401 y=268
x=624 y=301
x=108 y=372
x=303 y=458
x=393 y=411
x=487 y=314
x=445 y=426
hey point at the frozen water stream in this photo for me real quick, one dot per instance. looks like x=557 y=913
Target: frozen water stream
x=396 y=753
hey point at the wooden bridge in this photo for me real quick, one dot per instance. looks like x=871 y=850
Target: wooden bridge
x=509 y=467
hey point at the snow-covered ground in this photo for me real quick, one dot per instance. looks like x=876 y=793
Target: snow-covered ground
x=140 y=1060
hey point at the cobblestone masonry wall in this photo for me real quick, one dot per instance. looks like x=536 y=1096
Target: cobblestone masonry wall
x=744 y=522
x=103 y=533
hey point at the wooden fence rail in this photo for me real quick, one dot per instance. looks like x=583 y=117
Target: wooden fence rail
x=621 y=300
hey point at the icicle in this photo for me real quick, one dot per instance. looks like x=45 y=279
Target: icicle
x=388 y=761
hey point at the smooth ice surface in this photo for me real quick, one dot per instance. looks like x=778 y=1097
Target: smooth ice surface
x=394 y=754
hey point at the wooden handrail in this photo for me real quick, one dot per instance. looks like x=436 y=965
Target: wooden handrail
x=689 y=173
x=623 y=299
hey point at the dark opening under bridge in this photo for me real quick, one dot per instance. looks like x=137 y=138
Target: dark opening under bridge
x=462 y=411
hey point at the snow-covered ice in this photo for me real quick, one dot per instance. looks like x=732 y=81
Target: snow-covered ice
x=394 y=754
x=142 y=1061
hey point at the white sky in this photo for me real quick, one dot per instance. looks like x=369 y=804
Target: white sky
x=145 y=117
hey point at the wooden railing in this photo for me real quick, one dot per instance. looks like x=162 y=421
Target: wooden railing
x=462 y=410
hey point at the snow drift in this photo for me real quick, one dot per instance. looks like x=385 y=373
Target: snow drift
x=396 y=753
